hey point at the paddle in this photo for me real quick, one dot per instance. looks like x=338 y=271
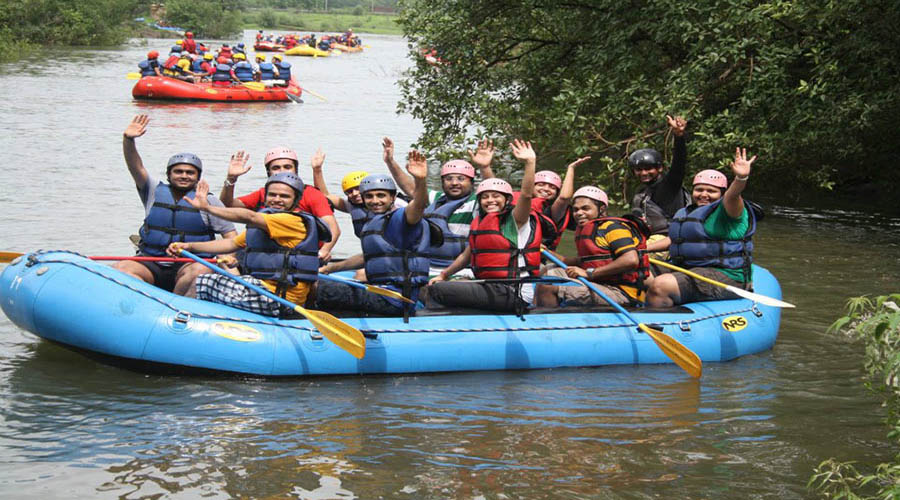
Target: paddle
x=762 y=299
x=6 y=257
x=133 y=76
x=369 y=288
x=310 y=92
x=681 y=355
x=254 y=85
x=343 y=335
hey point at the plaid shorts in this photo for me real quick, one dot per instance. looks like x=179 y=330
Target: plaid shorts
x=224 y=290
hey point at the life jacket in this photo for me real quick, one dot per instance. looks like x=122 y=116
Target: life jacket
x=593 y=256
x=324 y=45
x=284 y=71
x=189 y=45
x=692 y=246
x=223 y=73
x=494 y=256
x=550 y=231
x=197 y=65
x=439 y=213
x=171 y=61
x=405 y=270
x=225 y=53
x=266 y=71
x=243 y=71
x=147 y=67
x=643 y=205
x=265 y=259
x=360 y=215
x=167 y=222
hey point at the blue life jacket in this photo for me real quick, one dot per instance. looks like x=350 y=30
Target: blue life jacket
x=359 y=214
x=265 y=259
x=400 y=269
x=692 y=247
x=223 y=73
x=326 y=46
x=454 y=244
x=243 y=71
x=284 y=71
x=147 y=67
x=197 y=65
x=266 y=71
x=167 y=222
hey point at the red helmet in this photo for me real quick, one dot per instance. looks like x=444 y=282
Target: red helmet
x=711 y=177
x=222 y=60
x=188 y=34
x=279 y=153
x=152 y=54
x=494 y=184
x=458 y=167
x=548 y=177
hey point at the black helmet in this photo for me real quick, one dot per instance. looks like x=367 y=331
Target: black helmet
x=186 y=158
x=645 y=157
x=291 y=179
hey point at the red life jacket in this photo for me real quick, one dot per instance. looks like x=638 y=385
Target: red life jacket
x=171 y=61
x=551 y=231
x=494 y=256
x=593 y=256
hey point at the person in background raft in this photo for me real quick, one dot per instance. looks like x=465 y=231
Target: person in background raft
x=660 y=194
x=393 y=243
x=504 y=244
x=712 y=237
x=281 y=249
x=282 y=159
x=150 y=67
x=169 y=217
x=611 y=253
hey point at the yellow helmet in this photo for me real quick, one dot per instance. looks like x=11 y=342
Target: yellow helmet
x=352 y=180
x=277 y=57
x=179 y=42
x=239 y=57
x=260 y=57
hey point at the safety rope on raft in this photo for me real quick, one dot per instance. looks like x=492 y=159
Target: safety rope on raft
x=32 y=260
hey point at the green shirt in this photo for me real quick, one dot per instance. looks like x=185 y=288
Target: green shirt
x=721 y=226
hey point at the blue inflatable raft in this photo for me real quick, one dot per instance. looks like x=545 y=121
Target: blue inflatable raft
x=96 y=310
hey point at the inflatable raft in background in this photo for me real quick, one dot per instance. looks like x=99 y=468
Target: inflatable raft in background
x=306 y=50
x=268 y=47
x=163 y=88
x=93 y=309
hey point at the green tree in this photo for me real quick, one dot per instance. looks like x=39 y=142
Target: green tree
x=807 y=85
x=204 y=17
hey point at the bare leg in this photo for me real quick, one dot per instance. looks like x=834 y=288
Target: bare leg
x=546 y=295
x=135 y=269
x=186 y=279
x=663 y=291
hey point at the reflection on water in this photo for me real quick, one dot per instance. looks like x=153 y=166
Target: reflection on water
x=754 y=427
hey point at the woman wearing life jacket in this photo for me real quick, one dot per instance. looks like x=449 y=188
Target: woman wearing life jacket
x=712 y=237
x=611 y=253
x=504 y=244
x=280 y=249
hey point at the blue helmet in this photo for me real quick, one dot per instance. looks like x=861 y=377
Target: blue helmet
x=175 y=48
x=241 y=45
x=377 y=181
x=186 y=158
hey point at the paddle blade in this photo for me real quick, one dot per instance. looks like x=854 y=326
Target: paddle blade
x=7 y=257
x=343 y=335
x=762 y=299
x=388 y=293
x=254 y=85
x=133 y=76
x=676 y=351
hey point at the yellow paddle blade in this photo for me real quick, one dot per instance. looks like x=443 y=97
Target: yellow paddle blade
x=254 y=85
x=133 y=76
x=6 y=257
x=681 y=355
x=343 y=335
x=762 y=299
x=388 y=293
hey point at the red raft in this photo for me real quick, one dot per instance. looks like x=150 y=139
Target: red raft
x=268 y=47
x=160 y=87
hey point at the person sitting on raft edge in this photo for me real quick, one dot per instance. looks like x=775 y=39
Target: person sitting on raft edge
x=504 y=245
x=394 y=245
x=281 y=249
x=712 y=237
x=611 y=253
x=169 y=217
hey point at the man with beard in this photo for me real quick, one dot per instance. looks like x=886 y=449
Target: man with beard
x=168 y=216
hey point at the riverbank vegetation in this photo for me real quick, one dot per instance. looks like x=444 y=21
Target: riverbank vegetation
x=296 y=20
x=875 y=324
x=809 y=87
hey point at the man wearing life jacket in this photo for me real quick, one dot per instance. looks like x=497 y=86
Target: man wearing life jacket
x=393 y=245
x=241 y=71
x=169 y=67
x=189 y=44
x=222 y=75
x=504 y=244
x=239 y=49
x=225 y=51
x=183 y=69
x=267 y=70
x=150 y=67
x=259 y=36
x=280 y=249
x=712 y=237
x=290 y=42
x=661 y=193
x=282 y=159
x=169 y=217
x=283 y=68
x=611 y=253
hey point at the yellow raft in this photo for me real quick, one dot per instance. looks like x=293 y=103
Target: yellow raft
x=306 y=50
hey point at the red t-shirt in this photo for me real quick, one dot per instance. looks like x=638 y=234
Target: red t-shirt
x=312 y=201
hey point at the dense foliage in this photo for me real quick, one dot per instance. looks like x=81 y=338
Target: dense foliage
x=206 y=18
x=26 y=23
x=809 y=86
x=876 y=324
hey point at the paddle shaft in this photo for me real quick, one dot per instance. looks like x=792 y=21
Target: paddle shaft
x=593 y=288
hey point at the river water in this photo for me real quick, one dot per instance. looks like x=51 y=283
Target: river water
x=71 y=427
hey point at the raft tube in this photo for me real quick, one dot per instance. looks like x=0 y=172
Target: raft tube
x=306 y=50
x=268 y=47
x=93 y=309
x=347 y=48
x=160 y=87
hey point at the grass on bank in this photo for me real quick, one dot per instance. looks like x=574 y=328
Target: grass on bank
x=295 y=20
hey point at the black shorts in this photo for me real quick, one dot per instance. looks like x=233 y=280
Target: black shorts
x=163 y=275
x=333 y=296
x=499 y=297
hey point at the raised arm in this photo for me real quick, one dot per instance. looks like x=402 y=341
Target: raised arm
x=233 y=214
x=732 y=200
x=523 y=152
x=568 y=189
x=135 y=129
x=237 y=166
x=404 y=182
x=483 y=156
x=417 y=167
x=316 y=162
